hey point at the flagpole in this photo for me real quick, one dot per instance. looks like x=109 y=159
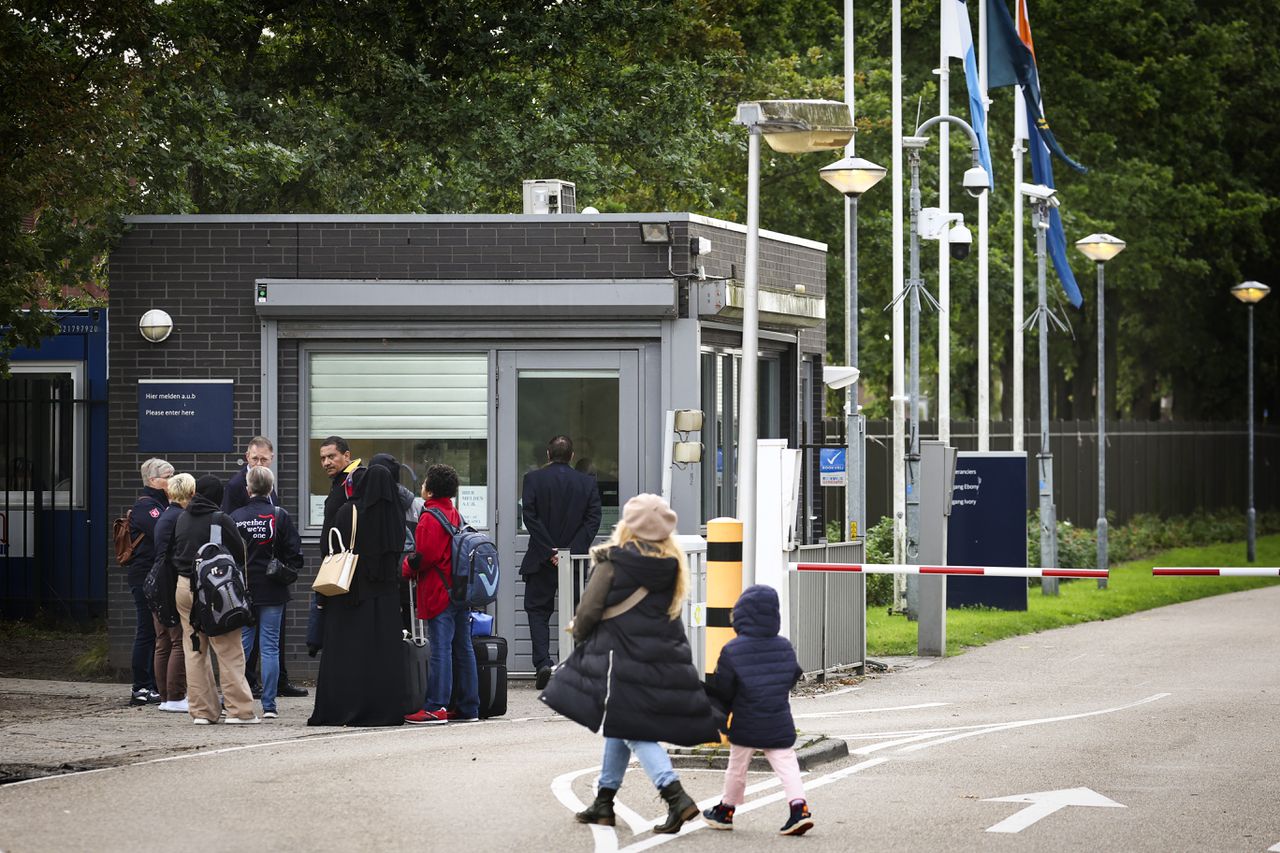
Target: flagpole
x=899 y=356
x=1019 y=136
x=944 y=257
x=984 y=319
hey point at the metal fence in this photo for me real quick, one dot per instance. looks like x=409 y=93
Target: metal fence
x=575 y=568
x=1165 y=468
x=47 y=547
x=837 y=640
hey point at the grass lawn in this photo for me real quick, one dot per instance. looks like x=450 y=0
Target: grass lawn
x=1131 y=588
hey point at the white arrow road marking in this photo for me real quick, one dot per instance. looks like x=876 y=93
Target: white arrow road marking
x=869 y=710
x=1046 y=803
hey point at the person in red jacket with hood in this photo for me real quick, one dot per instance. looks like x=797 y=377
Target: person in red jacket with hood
x=448 y=624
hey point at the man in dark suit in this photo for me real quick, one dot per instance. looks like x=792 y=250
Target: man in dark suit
x=561 y=510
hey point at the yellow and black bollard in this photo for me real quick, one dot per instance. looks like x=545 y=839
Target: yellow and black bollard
x=724 y=584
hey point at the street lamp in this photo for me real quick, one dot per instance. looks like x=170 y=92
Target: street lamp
x=1251 y=293
x=1043 y=198
x=852 y=176
x=1101 y=248
x=790 y=127
x=976 y=182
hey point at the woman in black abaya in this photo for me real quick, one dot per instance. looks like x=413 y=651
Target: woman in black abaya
x=361 y=680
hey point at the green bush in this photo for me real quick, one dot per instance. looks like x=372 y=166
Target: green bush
x=877 y=548
x=1144 y=535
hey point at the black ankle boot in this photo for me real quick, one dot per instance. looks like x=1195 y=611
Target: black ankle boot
x=680 y=807
x=601 y=811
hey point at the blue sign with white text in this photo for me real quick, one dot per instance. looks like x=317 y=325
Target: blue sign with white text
x=831 y=467
x=192 y=416
x=988 y=527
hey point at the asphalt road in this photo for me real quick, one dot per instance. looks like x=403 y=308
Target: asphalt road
x=1160 y=727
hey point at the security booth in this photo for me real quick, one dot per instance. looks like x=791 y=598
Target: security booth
x=468 y=340
x=53 y=513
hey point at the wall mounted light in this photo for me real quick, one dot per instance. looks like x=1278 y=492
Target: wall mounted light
x=655 y=232
x=155 y=325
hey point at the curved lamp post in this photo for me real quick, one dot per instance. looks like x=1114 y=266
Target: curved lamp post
x=976 y=183
x=852 y=176
x=1251 y=293
x=790 y=127
x=1101 y=248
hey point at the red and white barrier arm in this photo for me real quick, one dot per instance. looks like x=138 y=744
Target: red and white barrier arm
x=983 y=571
x=1234 y=572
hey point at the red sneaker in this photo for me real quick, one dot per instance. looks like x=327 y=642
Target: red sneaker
x=428 y=718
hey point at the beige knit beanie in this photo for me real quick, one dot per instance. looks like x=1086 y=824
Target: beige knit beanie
x=649 y=517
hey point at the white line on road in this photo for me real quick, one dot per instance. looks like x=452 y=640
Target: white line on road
x=1022 y=723
x=817 y=715
x=832 y=693
x=1045 y=803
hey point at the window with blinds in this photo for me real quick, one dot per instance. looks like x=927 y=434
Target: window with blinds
x=423 y=408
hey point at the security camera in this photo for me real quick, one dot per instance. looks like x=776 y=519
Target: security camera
x=976 y=181
x=959 y=240
x=839 y=377
x=1040 y=192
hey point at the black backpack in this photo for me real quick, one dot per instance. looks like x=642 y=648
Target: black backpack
x=220 y=595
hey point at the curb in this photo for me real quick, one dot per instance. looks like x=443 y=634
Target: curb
x=811 y=750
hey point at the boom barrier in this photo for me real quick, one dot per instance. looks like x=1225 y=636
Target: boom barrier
x=1235 y=572
x=988 y=571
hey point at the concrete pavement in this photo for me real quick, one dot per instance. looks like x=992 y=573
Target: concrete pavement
x=1159 y=727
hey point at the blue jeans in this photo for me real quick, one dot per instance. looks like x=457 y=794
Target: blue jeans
x=270 y=616
x=653 y=758
x=144 y=642
x=452 y=659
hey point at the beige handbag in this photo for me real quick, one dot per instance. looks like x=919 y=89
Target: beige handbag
x=339 y=568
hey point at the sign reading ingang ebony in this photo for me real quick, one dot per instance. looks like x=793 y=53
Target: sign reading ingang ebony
x=988 y=527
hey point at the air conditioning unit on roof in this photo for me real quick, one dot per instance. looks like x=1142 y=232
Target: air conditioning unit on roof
x=550 y=196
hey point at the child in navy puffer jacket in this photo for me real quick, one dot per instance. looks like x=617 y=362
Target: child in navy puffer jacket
x=753 y=679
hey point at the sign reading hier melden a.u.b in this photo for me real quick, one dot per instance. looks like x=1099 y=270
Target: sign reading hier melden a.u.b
x=186 y=416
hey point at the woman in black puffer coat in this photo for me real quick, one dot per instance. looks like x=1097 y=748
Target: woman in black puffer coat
x=631 y=674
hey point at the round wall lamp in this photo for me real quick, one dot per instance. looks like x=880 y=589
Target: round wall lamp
x=155 y=325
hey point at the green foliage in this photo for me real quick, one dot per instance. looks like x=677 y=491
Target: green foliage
x=1144 y=535
x=223 y=106
x=1130 y=589
x=877 y=549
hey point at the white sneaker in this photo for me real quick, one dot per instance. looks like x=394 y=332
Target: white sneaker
x=269 y=715
x=164 y=706
x=237 y=721
x=179 y=705
x=202 y=721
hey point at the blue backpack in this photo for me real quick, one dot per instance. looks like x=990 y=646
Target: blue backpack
x=475 y=564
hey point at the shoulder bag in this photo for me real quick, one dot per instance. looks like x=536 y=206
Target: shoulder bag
x=277 y=571
x=339 y=568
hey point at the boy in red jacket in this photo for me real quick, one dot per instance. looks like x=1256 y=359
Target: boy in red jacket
x=448 y=627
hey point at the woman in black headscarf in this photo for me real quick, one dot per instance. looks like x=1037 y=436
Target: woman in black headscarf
x=361 y=680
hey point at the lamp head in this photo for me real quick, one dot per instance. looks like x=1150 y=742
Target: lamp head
x=852 y=175
x=799 y=126
x=1250 y=292
x=1100 y=247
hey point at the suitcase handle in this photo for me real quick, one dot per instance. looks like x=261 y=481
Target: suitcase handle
x=417 y=633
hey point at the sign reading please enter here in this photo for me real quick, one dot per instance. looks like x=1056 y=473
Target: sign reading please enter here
x=186 y=416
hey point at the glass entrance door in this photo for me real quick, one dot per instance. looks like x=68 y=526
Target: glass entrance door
x=590 y=396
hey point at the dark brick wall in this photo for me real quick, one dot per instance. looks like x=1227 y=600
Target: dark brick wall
x=201 y=272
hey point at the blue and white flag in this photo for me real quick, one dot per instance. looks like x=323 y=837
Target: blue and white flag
x=957 y=38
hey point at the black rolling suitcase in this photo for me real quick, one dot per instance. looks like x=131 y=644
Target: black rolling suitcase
x=417 y=655
x=491 y=667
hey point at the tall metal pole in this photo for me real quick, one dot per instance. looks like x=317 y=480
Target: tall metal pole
x=1018 y=414
x=944 y=257
x=750 y=349
x=855 y=524
x=984 y=299
x=1251 y=517
x=1103 y=562
x=899 y=473
x=1048 y=522
x=913 y=452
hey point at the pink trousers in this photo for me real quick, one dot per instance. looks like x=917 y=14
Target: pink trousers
x=783 y=762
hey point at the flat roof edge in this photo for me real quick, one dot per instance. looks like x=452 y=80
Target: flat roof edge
x=464 y=219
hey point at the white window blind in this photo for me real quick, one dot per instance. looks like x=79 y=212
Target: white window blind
x=400 y=395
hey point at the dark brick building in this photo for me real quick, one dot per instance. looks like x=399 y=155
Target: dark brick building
x=461 y=339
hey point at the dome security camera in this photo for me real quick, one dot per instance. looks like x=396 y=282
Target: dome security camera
x=959 y=239
x=976 y=181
